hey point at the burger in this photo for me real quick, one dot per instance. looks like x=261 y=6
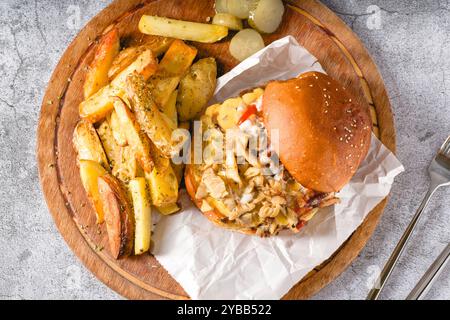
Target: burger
x=274 y=156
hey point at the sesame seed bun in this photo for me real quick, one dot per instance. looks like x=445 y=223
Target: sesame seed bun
x=323 y=134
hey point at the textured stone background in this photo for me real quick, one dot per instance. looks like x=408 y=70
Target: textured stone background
x=412 y=50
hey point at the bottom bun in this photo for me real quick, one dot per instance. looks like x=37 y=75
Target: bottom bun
x=214 y=215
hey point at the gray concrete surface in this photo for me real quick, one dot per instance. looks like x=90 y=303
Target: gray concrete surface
x=410 y=42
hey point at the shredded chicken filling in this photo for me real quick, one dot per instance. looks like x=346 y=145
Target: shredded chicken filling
x=241 y=177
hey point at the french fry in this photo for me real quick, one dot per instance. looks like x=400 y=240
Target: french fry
x=148 y=116
x=142 y=214
x=88 y=145
x=100 y=104
x=184 y=30
x=136 y=138
x=89 y=173
x=173 y=66
x=97 y=75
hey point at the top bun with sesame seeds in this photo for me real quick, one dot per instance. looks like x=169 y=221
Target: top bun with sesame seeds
x=323 y=133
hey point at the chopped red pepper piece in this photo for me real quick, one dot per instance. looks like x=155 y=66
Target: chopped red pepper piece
x=251 y=110
x=300 y=225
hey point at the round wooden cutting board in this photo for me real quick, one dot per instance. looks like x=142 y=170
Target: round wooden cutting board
x=315 y=27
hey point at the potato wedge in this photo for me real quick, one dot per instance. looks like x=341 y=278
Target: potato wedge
x=184 y=30
x=196 y=89
x=177 y=60
x=110 y=146
x=128 y=55
x=142 y=214
x=88 y=145
x=179 y=168
x=117 y=130
x=173 y=66
x=136 y=138
x=161 y=162
x=169 y=209
x=127 y=166
x=122 y=160
x=123 y=60
x=170 y=109
x=100 y=104
x=163 y=186
x=162 y=181
x=89 y=173
x=144 y=65
x=157 y=44
x=97 y=75
x=119 y=216
x=162 y=87
x=148 y=116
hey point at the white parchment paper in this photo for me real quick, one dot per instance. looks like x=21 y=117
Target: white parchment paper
x=213 y=263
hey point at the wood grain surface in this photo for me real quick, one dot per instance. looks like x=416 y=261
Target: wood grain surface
x=314 y=26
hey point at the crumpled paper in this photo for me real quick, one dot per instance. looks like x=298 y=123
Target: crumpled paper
x=214 y=263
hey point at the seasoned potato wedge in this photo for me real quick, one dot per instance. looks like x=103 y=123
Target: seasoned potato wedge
x=196 y=89
x=177 y=60
x=179 y=168
x=97 y=75
x=127 y=166
x=122 y=160
x=110 y=145
x=123 y=60
x=184 y=30
x=88 y=145
x=173 y=66
x=136 y=138
x=162 y=181
x=144 y=65
x=163 y=186
x=126 y=57
x=89 y=173
x=169 y=209
x=170 y=109
x=157 y=44
x=148 y=116
x=142 y=214
x=162 y=87
x=119 y=216
x=100 y=104
x=117 y=130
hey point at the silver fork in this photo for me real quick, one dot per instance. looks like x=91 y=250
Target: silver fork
x=439 y=172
